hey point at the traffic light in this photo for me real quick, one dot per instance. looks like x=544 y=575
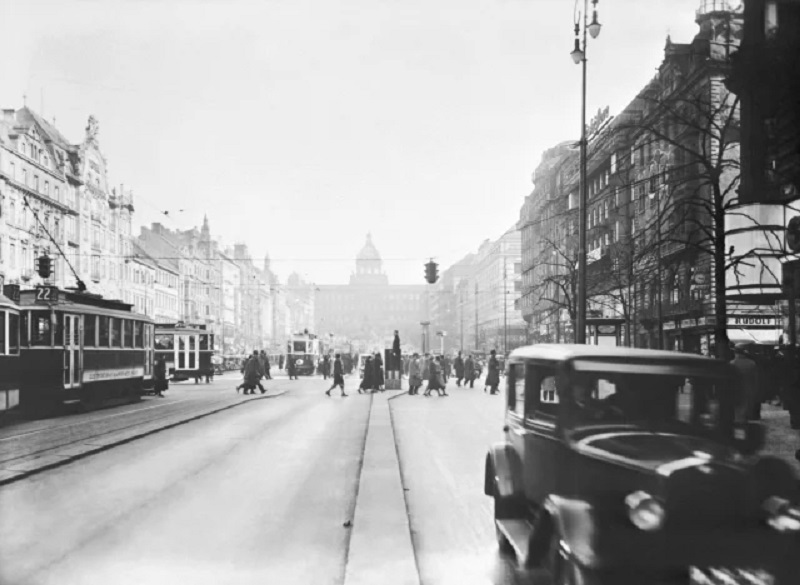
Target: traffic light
x=431 y=272
x=765 y=74
x=44 y=266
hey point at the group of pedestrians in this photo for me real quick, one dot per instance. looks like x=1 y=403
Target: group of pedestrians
x=254 y=369
x=436 y=371
x=373 y=379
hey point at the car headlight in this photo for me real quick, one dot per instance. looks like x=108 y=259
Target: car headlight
x=644 y=511
x=781 y=514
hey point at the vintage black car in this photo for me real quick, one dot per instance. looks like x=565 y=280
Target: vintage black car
x=627 y=466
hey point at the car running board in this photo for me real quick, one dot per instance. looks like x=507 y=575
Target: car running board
x=518 y=533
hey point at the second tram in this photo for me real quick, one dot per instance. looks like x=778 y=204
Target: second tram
x=187 y=350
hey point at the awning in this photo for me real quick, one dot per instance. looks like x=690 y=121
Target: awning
x=765 y=336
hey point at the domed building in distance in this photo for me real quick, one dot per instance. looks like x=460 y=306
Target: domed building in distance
x=369 y=308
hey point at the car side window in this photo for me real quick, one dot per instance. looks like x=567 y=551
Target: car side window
x=516 y=389
x=543 y=386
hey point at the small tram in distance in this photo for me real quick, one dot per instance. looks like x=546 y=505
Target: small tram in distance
x=80 y=350
x=187 y=351
x=304 y=350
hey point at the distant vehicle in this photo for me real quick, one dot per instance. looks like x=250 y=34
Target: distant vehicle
x=304 y=348
x=187 y=350
x=626 y=466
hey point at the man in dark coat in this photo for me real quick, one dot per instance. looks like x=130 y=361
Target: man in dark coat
x=469 y=372
x=366 y=381
x=458 y=365
x=252 y=375
x=747 y=371
x=338 y=376
x=160 y=377
x=492 y=374
x=267 y=367
x=326 y=367
x=377 y=365
x=290 y=367
x=396 y=354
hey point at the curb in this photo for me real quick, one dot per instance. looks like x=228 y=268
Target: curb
x=381 y=528
x=71 y=458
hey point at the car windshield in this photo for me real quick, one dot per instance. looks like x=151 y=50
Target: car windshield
x=654 y=396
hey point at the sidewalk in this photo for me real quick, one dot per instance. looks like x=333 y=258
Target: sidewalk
x=30 y=446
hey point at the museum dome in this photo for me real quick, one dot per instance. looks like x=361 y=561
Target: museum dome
x=369 y=251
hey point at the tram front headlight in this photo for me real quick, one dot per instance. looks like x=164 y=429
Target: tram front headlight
x=782 y=515
x=645 y=511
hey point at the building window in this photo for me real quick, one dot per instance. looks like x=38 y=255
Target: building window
x=36 y=182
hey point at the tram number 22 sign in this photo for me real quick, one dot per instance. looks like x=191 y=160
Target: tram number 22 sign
x=46 y=294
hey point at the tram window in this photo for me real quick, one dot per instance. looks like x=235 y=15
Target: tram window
x=103 y=328
x=138 y=335
x=165 y=341
x=116 y=332
x=211 y=342
x=24 y=329
x=13 y=333
x=40 y=329
x=59 y=330
x=90 y=330
x=3 y=320
x=128 y=333
x=192 y=342
x=299 y=347
x=204 y=341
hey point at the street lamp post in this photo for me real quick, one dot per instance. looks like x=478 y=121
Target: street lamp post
x=579 y=56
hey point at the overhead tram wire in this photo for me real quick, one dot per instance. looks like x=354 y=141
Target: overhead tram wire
x=80 y=284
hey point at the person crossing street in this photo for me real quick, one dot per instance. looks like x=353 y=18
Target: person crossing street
x=458 y=365
x=338 y=376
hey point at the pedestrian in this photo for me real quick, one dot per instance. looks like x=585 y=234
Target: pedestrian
x=469 y=372
x=280 y=362
x=426 y=367
x=160 y=382
x=436 y=380
x=338 y=376
x=366 y=380
x=252 y=375
x=414 y=375
x=377 y=364
x=291 y=369
x=458 y=365
x=747 y=375
x=326 y=367
x=267 y=367
x=397 y=364
x=492 y=374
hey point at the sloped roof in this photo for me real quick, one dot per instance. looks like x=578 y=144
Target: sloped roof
x=369 y=251
x=27 y=117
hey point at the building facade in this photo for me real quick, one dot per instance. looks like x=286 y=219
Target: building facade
x=368 y=309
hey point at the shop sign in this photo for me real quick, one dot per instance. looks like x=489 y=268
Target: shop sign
x=754 y=320
x=606 y=330
x=704 y=321
x=669 y=325
x=687 y=323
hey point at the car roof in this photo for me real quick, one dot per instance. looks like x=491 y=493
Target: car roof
x=567 y=351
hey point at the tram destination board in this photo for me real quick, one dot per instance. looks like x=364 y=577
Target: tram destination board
x=46 y=294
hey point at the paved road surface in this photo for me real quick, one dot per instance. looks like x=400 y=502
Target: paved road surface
x=255 y=494
x=442 y=444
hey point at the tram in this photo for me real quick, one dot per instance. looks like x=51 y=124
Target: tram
x=187 y=351
x=9 y=351
x=80 y=350
x=304 y=349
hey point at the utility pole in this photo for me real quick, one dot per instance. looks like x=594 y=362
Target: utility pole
x=476 y=315
x=505 y=308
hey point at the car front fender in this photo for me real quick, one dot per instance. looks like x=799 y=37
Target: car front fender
x=575 y=522
x=503 y=472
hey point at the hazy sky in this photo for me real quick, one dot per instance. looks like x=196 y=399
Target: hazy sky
x=300 y=125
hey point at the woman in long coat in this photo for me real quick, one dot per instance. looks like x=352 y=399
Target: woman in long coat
x=377 y=364
x=493 y=374
x=367 y=380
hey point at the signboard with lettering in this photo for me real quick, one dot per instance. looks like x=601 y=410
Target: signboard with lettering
x=46 y=294
x=112 y=374
x=669 y=325
x=755 y=320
